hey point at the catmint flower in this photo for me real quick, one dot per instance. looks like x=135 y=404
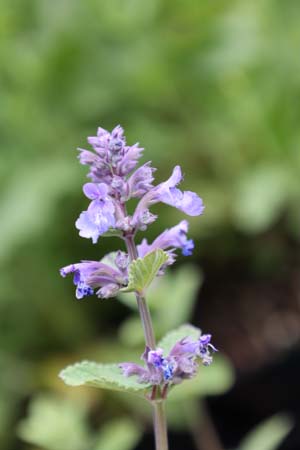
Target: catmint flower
x=120 y=186
x=90 y=275
x=181 y=363
x=169 y=240
x=112 y=156
x=130 y=159
x=108 y=291
x=115 y=180
x=141 y=180
x=186 y=201
x=166 y=192
x=122 y=260
x=125 y=224
x=205 y=347
x=144 y=219
x=100 y=214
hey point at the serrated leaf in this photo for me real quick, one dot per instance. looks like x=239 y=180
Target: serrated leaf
x=104 y=376
x=170 y=339
x=142 y=271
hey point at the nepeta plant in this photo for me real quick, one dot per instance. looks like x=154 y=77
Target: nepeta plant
x=115 y=181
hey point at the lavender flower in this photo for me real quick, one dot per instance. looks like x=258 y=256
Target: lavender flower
x=100 y=214
x=141 y=180
x=111 y=157
x=90 y=275
x=166 y=192
x=115 y=181
x=169 y=240
x=181 y=363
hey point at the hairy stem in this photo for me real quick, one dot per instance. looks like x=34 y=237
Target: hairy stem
x=160 y=426
x=141 y=302
x=159 y=417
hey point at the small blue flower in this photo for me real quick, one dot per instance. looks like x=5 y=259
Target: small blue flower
x=187 y=249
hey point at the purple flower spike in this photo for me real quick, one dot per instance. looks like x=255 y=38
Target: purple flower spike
x=115 y=180
x=112 y=156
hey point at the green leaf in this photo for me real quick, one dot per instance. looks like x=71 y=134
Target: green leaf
x=55 y=424
x=118 y=434
x=267 y=435
x=104 y=376
x=170 y=339
x=142 y=271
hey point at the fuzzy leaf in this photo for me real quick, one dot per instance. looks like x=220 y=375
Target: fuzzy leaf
x=170 y=339
x=142 y=271
x=104 y=376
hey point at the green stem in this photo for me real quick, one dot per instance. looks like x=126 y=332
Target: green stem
x=159 y=417
x=141 y=302
x=160 y=425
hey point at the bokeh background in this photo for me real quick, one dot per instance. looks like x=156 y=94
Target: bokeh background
x=214 y=86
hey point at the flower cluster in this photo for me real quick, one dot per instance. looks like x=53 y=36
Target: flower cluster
x=115 y=180
x=181 y=363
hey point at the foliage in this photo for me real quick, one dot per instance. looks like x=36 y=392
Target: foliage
x=58 y=424
x=104 y=376
x=214 y=85
x=142 y=271
x=268 y=435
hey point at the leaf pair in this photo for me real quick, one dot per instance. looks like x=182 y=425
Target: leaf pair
x=109 y=376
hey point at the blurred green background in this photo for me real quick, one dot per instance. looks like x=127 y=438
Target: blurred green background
x=211 y=85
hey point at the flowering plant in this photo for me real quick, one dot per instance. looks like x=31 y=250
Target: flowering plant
x=114 y=181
